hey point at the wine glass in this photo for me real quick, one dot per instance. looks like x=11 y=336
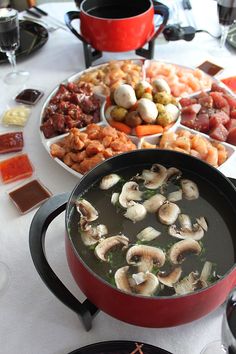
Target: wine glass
x=227 y=344
x=9 y=42
x=227 y=15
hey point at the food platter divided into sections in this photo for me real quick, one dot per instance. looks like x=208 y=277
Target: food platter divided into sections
x=193 y=113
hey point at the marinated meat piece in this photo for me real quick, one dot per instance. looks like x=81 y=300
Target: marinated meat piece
x=201 y=123
x=93 y=148
x=187 y=101
x=88 y=163
x=57 y=151
x=73 y=105
x=219 y=133
x=231 y=139
x=219 y=117
x=83 y=150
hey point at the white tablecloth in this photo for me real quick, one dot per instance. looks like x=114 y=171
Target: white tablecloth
x=32 y=320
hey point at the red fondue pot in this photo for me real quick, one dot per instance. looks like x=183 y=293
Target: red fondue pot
x=162 y=311
x=117 y=25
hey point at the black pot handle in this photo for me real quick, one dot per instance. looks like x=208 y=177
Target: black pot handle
x=162 y=10
x=42 y=219
x=69 y=17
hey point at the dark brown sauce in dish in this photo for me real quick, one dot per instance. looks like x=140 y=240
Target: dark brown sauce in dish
x=210 y=68
x=29 y=96
x=29 y=196
x=210 y=204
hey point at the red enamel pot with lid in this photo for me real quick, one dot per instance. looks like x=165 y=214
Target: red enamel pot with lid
x=147 y=311
x=117 y=25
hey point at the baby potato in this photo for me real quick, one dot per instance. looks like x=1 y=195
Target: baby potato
x=162 y=97
x=165 y=119
x=118 y=113
x=147 y=110
x=160 y=107
x=124 y=96
x=141 y=87
x=133 y=119
x=147 y=95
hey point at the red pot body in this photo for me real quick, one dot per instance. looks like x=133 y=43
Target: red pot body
x=144 y=311
x=117 y=35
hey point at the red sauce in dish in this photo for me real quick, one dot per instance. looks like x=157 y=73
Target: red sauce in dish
x=11 y=142
x=230 y=82
x=15 y=168
x=29 y=196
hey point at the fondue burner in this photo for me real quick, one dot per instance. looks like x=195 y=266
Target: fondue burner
x=91 y=54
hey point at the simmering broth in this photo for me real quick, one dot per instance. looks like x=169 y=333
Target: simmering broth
x=217 y=245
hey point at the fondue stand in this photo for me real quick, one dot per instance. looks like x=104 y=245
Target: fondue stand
x=33 y=321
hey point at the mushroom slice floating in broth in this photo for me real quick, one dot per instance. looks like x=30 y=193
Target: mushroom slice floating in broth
x=154 y=177
x=168 y=213
x=175 y=196
x=148 y=234
x=186 y=285
x=130 y=192
x=202 y=222
x=144 y=284
x=153 y=204
x=145 y=257
x=107 y=244
x=93 y=234
x=136 y=212
x=190 y=189
x=186 y=230
x=86 y=210
x=181 y=249
x=122 y=279
x=109 y=181
x=170 y=278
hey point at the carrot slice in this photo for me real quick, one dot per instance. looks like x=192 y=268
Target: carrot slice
x=149 y=129
x=122 y=127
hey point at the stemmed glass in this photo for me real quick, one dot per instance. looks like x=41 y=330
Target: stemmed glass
x=9 y=42
x=227 y=15
x=227 y=344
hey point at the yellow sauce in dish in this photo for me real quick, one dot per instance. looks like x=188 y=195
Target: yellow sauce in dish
x=16 y=116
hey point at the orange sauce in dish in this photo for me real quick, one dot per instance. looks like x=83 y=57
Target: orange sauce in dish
x=16 y=168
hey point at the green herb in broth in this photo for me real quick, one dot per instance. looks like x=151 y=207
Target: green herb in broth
x=113 y=217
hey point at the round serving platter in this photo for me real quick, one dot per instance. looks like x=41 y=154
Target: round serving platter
x=153 y=139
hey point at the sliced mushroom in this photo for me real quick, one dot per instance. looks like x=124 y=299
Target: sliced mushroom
x=154 y=177
x=140 y=283
x=92 y=235
x=168 y=213
x=153 y=204
x=175 y=196
x=136 y=212
x=206 y=271
x=195 y=233
x=148 y=234
x=122 y=279
x=173 y=174
x=86 y=210
x=145 y=257
x=186 y=285
x=108 y=243
x=182 y=248
x=170 y=278
x=185 y=221
x=190 y=189
x=109 y=181
x=130 y=191
x=202 y=222
x=148 y=286
x=114 y=198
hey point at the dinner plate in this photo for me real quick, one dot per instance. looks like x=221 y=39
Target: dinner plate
x=120 y=347
x=32 y=37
